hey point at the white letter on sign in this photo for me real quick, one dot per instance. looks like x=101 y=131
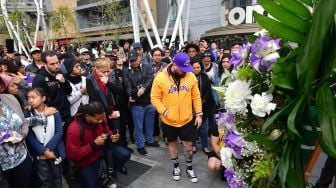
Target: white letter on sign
x=241 y=16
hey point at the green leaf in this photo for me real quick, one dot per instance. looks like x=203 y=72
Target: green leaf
x=291 y=121
x=296 y=8
x=284 y=75
x=284 y=16
x=310 y=56
x=283 y=111
x=326 y=109
x=279 y=29
x=308 y=2
x=284 y=165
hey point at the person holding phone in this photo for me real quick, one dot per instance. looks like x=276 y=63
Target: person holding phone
x=88 y=136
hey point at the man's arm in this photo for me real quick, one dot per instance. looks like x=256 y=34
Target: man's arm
x=156 y=97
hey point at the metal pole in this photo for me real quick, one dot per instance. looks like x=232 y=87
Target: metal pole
x=180 y=29
x=181 y=34
x=178 y=19
x=135 y=22
x=186 y=26
x=167 y=25
x=146 y=31
x=153 y=25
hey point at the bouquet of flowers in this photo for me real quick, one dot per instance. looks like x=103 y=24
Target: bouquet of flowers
x=248 y=99
x=275 y=92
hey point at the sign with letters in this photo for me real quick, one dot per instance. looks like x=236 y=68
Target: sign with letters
x=239 y=15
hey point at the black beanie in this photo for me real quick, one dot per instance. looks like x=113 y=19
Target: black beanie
x=69 y=63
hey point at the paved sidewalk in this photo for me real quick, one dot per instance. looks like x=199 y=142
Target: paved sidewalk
x=160 y=175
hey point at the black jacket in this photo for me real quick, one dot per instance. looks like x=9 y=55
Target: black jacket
x=32 y=69
x=112 y=98
x=134 y=78
x=204 y=85
x=95 y=93
x=57 y=92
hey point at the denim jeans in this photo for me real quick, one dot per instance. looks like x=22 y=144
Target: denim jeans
x=120 y=154
x=49 y=174
x=89 y=175
x=143 y=117
x=203 y=133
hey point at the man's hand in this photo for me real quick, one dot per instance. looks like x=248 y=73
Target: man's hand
x=49 y=154
x=131 y=100
x=100 y=140
x=83 y=90
x=104 y=79
x=49 y=111
x=60 y=78
x=198 y=121
x=141 y=91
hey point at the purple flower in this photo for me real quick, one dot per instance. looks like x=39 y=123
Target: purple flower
x=236 y=142
x=239 y=57
x=233 y=179
x=219 y=117
x=263 y=51
x=229 y=118
x=4 y=135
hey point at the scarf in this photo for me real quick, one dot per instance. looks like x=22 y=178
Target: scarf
x=74 y=80
x=101 y=85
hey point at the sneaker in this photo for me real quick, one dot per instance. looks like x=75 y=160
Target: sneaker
x=192 y=176
x=177 y=173
x=142 y=151
x=154 y=144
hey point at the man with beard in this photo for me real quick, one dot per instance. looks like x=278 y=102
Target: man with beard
x=56 y=87
x=175 y=95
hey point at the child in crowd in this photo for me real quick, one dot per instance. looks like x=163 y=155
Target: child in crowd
x=45 y=142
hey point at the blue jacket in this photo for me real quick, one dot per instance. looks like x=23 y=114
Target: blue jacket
x=56 y=144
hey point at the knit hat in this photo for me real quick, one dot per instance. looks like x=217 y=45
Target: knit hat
x=69 y=63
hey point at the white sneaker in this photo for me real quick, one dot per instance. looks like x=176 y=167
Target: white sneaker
x=192 y=176
x=177 y=174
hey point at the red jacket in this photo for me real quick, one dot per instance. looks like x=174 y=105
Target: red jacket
x=84 y=152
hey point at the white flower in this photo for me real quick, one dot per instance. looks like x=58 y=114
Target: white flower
x=262 y=104
x=226 y=157
x=236 y=97
x=249 y=149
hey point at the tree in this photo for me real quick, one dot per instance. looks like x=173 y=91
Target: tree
x=115 y=14
x=61 y=20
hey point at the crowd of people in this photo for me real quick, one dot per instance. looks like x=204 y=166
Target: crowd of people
x=75 y=110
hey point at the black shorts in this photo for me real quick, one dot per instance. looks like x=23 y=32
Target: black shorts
x=186 y=133
x=212 y=154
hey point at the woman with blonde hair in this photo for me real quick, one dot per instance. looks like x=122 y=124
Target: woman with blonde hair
x=101 y=89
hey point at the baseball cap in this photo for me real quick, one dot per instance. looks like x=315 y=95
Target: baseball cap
x=137 y=45
x=83 y=50
x=112 y=56
x=34 y=49
x=182 y=60
x=207 y=54
x=132 y=55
